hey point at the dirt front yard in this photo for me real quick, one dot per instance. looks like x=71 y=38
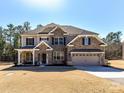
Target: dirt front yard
x=117 y=63
x=53 y=80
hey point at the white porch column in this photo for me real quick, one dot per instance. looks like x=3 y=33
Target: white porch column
x=33 y=57
x=19 y=55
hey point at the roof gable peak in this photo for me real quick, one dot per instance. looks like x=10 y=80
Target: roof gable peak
x=51 y=25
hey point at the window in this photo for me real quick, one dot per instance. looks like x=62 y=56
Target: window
x=58 y=41
x=94 y=55
x=29 y=41
x=97 y=54
x=73 y=55
x=86 y=41
x=42 y=39
x=80 y=55
x=90 y=54
x=61 y=41
x=58 y=55
x=47 y=39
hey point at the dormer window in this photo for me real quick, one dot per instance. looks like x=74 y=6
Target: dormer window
x=86 y=41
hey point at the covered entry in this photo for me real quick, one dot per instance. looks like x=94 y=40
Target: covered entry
x=42 y=58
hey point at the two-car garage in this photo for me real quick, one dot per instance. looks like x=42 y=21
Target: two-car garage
x=85 y=59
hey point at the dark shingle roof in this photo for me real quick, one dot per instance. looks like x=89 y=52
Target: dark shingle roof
x=27 y=47
x=31 y=32
x=31 y=47
x=46 y=30
x=69 y=29
x=76 y=30
x=86 y=50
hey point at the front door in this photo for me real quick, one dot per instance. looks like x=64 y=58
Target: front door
x=43 y=58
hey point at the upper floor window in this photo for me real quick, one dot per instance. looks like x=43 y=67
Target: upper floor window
x=44 y=39
x=29 y=41
x=86 y=41
x=61 y=41
x=58 y=41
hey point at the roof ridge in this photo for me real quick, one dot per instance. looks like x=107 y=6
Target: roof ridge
x=80 y=28
x=68 y=28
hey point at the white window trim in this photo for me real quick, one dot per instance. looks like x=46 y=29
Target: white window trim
x=60 y=54
x=86 y=40
x=30 y=38
x=62 y=40
x=58 y=41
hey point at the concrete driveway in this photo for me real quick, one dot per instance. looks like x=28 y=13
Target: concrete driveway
x=104 y=72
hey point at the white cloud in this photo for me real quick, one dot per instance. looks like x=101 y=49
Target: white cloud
x=44 y=4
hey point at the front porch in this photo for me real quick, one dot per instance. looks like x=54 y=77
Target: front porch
x=33 y=57
x=40 y=54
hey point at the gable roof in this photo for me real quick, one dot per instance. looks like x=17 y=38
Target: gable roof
x=57 y=27
x=43 y=42
x=102 y=42
x=69 y=29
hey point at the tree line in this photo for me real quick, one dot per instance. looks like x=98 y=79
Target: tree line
x=9 y=40
x=10 y=36
x=114 y=48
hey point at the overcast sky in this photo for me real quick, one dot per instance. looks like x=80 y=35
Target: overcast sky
x=101 y=16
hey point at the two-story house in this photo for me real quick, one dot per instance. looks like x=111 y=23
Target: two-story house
x=61 y=44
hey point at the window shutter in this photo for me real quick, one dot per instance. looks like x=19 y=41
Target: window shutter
x=26 y=41
x=83 y=41
x=52 y=41
x=64 y=40
x=89 y=41
x=32 y=41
